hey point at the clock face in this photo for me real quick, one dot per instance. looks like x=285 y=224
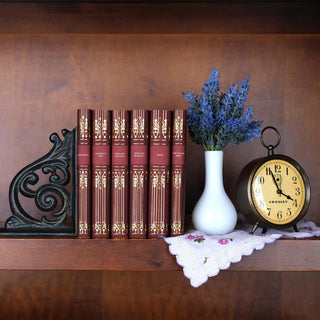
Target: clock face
x=278 y=192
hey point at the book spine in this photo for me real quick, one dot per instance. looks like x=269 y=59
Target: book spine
x=159 y=173
x=120 y=174
x=101 y=134
x=84 y=172
x=139 y=145
x=178 y=173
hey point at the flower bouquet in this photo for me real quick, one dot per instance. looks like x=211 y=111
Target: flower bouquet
x=215 y=119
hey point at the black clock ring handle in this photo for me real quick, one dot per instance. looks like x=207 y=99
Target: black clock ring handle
x=270 y=147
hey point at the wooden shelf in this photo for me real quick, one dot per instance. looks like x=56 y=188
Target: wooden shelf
x=160 y=18
x=143 y=255
x=57 y=56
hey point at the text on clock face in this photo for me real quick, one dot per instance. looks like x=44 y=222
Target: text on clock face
x=278 y=191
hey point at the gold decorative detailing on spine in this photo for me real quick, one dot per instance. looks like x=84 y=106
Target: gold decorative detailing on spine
x=138 y=125
x=100 y=128
x=158 y=228
x=119 y=228
x=159 y=129
x=176 y=228
x=138 y=178
x=159 y=178
x=138 y=227
x=83 y=227
x=100 y=179
x=83 y=178
x=119 y=128
x=178 y=128
x=119 y=179
x=177 y=178
x=84 y=128
x=101 y=228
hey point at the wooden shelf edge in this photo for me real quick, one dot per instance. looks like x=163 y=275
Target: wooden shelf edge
x=143 y=255
x=283 y=255
x=158 y=18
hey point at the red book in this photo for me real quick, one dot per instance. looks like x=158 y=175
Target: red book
x=101 y=131
x=178 y=172
x=159 y=173
x=120 y=174
x=139 y=145
x=84 y=172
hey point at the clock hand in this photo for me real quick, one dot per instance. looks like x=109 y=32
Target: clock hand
x=275 y=182
x=279 y=191
x=288 y=197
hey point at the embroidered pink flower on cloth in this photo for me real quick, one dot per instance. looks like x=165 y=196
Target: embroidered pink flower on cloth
x=198 y=239
x=224 y=241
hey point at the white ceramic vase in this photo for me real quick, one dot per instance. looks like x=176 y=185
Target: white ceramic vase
x=214 y=213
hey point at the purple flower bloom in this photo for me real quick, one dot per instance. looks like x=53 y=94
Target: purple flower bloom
x=216 y=119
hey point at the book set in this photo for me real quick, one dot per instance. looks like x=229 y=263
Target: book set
x=130 y=168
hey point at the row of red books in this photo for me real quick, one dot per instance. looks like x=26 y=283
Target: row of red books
x=130 y=167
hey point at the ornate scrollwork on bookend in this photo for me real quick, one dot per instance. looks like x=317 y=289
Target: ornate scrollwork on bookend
x=50 y=183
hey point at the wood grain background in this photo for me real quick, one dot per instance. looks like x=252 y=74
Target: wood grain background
x=57 y=57
x=46 y=77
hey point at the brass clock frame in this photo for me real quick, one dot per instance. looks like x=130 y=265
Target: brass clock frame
x=244 y=190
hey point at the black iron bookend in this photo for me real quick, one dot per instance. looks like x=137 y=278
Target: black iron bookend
x=51 y=182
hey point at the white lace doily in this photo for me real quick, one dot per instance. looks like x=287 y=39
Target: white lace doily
x=203 y=256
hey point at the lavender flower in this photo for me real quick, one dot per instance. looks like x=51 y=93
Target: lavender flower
x=216 y=119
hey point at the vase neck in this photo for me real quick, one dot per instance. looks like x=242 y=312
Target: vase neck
x=214 y=169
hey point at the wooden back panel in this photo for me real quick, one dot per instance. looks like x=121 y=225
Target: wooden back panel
x=55 y=58
x=46 y=77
